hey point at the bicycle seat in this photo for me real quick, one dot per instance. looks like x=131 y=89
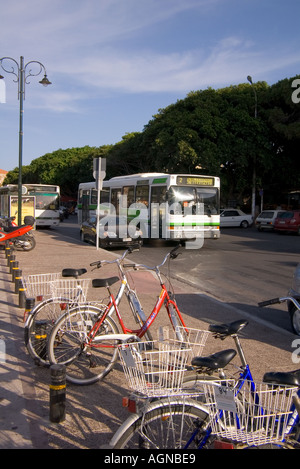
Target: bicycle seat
x=104 y=282
x=73 y=272
x=216 y=360
x=291 y=378
x=225 y=330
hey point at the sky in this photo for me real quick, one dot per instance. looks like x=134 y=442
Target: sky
x=114 y=63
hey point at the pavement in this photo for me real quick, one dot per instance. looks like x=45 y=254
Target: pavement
x=94 y=413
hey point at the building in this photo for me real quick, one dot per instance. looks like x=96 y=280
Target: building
x=3 y=173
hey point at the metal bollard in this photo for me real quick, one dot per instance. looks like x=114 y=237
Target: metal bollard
x=9 y=253
x=18 y=276
x=40 y=343
x=11 y=265
x=22 y=296
x=15 y=267
x=58 y=393
x=29 y=305
x=11 y=260
x=7 y=249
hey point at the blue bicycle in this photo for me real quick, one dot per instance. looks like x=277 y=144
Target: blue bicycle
x=215 y=411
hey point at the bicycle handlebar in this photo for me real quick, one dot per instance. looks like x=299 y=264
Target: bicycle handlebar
x=99 y=264
x=172 y=254
x=274 y=301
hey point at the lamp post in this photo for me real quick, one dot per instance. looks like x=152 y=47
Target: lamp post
x=249 y=78
x=21 y=73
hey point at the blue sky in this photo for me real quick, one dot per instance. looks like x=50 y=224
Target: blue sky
x=114 y=63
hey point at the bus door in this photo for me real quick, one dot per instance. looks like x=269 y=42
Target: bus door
x=115 y=199
x=85 y=204
x=158 y=212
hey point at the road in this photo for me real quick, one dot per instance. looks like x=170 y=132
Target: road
x=241 y=268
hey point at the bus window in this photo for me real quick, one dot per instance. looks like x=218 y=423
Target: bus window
x=142 y=195
x=115 y=197
x=128 y=191
x=94 y=197
x=209 y=197
x=158 y=194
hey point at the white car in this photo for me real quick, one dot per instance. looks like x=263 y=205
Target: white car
x=266 y=219
x=235 y=217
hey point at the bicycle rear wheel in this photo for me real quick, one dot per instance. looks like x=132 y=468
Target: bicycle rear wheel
x=170 y=423
x=68 y=344
x=39 y=325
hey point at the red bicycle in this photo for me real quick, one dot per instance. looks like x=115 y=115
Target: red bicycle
x=85 y=339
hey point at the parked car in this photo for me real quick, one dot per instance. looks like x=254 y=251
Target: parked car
x=288 y=221
x=266 y=219
x=113 y=232
x=235 y=217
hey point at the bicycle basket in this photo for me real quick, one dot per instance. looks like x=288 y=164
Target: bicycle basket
x=193 y=339
x=253 y=418
x=38 y=286
x=72 y=289
x=154 y=368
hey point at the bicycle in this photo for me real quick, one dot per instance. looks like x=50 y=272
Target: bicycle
x=182 y=420
x=86 y=342
x=293 y=309
x=54 y=295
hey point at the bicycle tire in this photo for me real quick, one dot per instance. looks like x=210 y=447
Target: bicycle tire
x=295 y=318
x=38 y=326
x=67 y=345
x=166 y=424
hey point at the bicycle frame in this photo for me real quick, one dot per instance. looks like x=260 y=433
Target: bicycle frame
x=163 y=299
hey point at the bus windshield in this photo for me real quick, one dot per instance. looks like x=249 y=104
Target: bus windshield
x=188 y=196
x=47 y=202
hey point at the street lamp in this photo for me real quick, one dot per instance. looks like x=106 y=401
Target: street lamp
x=19 y=71
x=249 y=78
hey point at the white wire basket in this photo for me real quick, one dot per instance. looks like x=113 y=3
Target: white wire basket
x=252 y=418
x=39 y=286
x=154 y=368
x=75 y=290
x=193 y=339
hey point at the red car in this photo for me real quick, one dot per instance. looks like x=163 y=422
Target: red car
x=288 y=221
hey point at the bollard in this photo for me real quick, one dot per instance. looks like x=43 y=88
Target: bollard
x=18 y=276
x=9 y=253
x=15 y=267
x=7 y=249
x=11 y=261
x=40 y=343
x=22 y=296
x=58 y=393
x=29 y=305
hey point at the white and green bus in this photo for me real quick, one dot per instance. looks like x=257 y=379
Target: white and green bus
x=39 y=200
x=166 y=206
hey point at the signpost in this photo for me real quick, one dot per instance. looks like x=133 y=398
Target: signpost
x=99 y=172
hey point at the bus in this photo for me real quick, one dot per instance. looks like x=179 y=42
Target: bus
x=166 y=206
x=39 y=200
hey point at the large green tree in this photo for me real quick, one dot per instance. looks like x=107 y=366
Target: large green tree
x=223 y=132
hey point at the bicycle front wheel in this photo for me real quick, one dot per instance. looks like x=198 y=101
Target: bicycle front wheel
x=38 y=327
x=170 y=423
x=86 y=361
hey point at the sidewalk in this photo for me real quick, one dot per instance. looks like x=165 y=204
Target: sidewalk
x=93 y=413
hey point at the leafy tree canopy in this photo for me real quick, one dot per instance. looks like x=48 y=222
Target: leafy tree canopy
x=222 y=132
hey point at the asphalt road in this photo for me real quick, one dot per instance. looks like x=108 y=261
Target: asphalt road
x=241 y=268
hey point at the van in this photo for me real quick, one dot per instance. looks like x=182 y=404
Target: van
x=266 y=219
